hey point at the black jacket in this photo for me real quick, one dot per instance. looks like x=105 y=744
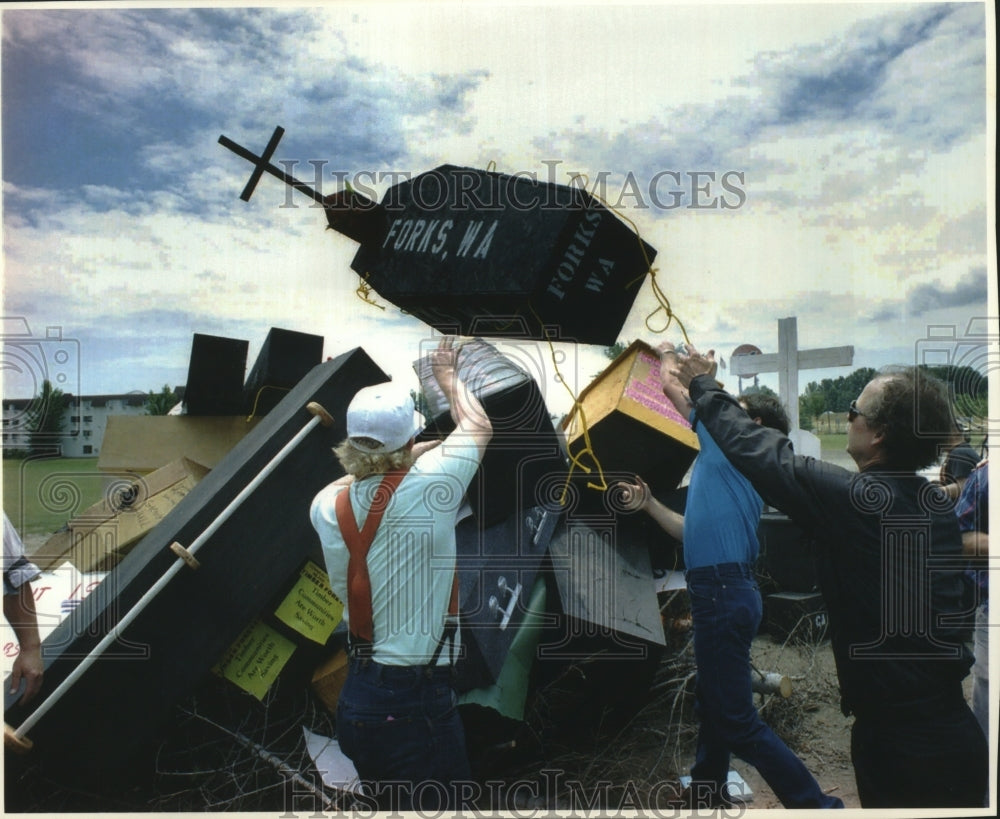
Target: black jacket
x=889 y=560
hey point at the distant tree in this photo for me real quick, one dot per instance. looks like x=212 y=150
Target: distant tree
x=967 y=387
x=46 y=420
x=812 y=404
x=839 y=392
x=616 y=349
x=759 y=389
x=160 y=403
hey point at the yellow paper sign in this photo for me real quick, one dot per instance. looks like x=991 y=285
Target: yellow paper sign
x=311 y=608
x=254 y=661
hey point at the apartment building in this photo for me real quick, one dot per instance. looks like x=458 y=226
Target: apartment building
x=84 y=421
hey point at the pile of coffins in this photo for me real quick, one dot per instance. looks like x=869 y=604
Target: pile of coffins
x=214 y=575
x=546 y=575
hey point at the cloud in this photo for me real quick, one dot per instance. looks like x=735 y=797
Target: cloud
x=121 y=79
x=838 y=79
x=969 y=291
x=936 y=298
x=889 y=91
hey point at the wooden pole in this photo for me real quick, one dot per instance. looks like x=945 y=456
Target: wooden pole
x=16 y=739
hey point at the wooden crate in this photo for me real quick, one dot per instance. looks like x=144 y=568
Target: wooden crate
x=329 y=678
x=633 y=426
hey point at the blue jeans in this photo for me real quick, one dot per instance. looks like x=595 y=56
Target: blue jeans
x=401 y=729
x=726 y=610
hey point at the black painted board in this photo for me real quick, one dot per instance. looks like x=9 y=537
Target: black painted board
x=623 y=444
x=215 y=375
x=463 y=245
x=787 y=561
x=493 y=562
x=119 y=704
x=284 y=359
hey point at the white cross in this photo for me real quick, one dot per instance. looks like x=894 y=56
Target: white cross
x=787 y=362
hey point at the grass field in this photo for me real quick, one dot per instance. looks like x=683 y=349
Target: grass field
x=39 y=496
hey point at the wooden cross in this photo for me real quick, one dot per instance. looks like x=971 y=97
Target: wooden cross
x=788 y=361
x=263 y=163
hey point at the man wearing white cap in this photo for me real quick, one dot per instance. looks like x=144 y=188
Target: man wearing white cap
x=388 y=534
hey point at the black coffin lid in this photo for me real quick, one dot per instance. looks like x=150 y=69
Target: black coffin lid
x=524 y=451
x=467 y=250
x=512 y=550
x=122 y=701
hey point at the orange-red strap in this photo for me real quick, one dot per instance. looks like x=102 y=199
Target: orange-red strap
x=358 y=542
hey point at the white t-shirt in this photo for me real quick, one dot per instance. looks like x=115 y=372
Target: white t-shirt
x=411 y=562
x=17 y=569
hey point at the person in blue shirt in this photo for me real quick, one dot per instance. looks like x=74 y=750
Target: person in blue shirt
x=889 y=560
x=718 y=531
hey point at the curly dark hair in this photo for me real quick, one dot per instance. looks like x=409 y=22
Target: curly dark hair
x=914 y=414
x=768 y=408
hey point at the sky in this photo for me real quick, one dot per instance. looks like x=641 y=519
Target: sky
x=858 y=137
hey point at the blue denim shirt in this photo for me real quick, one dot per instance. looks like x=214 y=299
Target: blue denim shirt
x=722 y=511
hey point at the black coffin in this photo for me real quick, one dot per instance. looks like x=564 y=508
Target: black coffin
x=484 y=253
x=497 y=566
x=524 y=452
x=117 y=707
x=283 y=361
x=215 y=375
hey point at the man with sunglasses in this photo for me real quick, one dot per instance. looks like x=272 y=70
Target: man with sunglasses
x=889 y=559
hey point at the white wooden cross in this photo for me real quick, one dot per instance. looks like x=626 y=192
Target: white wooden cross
x=787 y=362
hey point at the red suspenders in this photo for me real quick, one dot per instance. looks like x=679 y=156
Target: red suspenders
x=359 y=587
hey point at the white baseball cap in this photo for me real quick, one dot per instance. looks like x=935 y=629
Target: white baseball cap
x=383 y=413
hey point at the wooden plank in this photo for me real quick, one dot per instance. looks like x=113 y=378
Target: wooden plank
x=143 y=443
x=605 y=583
x=743 y=365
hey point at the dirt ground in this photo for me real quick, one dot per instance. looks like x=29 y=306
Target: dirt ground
x=809 y=721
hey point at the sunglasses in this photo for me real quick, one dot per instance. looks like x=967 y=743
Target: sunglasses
x=853 y=412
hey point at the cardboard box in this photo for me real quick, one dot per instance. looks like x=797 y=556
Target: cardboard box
x=98 y=538
x=329 y=678
x=144 y=443
x=633 y=427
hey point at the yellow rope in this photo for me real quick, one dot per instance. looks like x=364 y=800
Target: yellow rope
x=364 y=292
x=577 y=409
x=256 y=400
